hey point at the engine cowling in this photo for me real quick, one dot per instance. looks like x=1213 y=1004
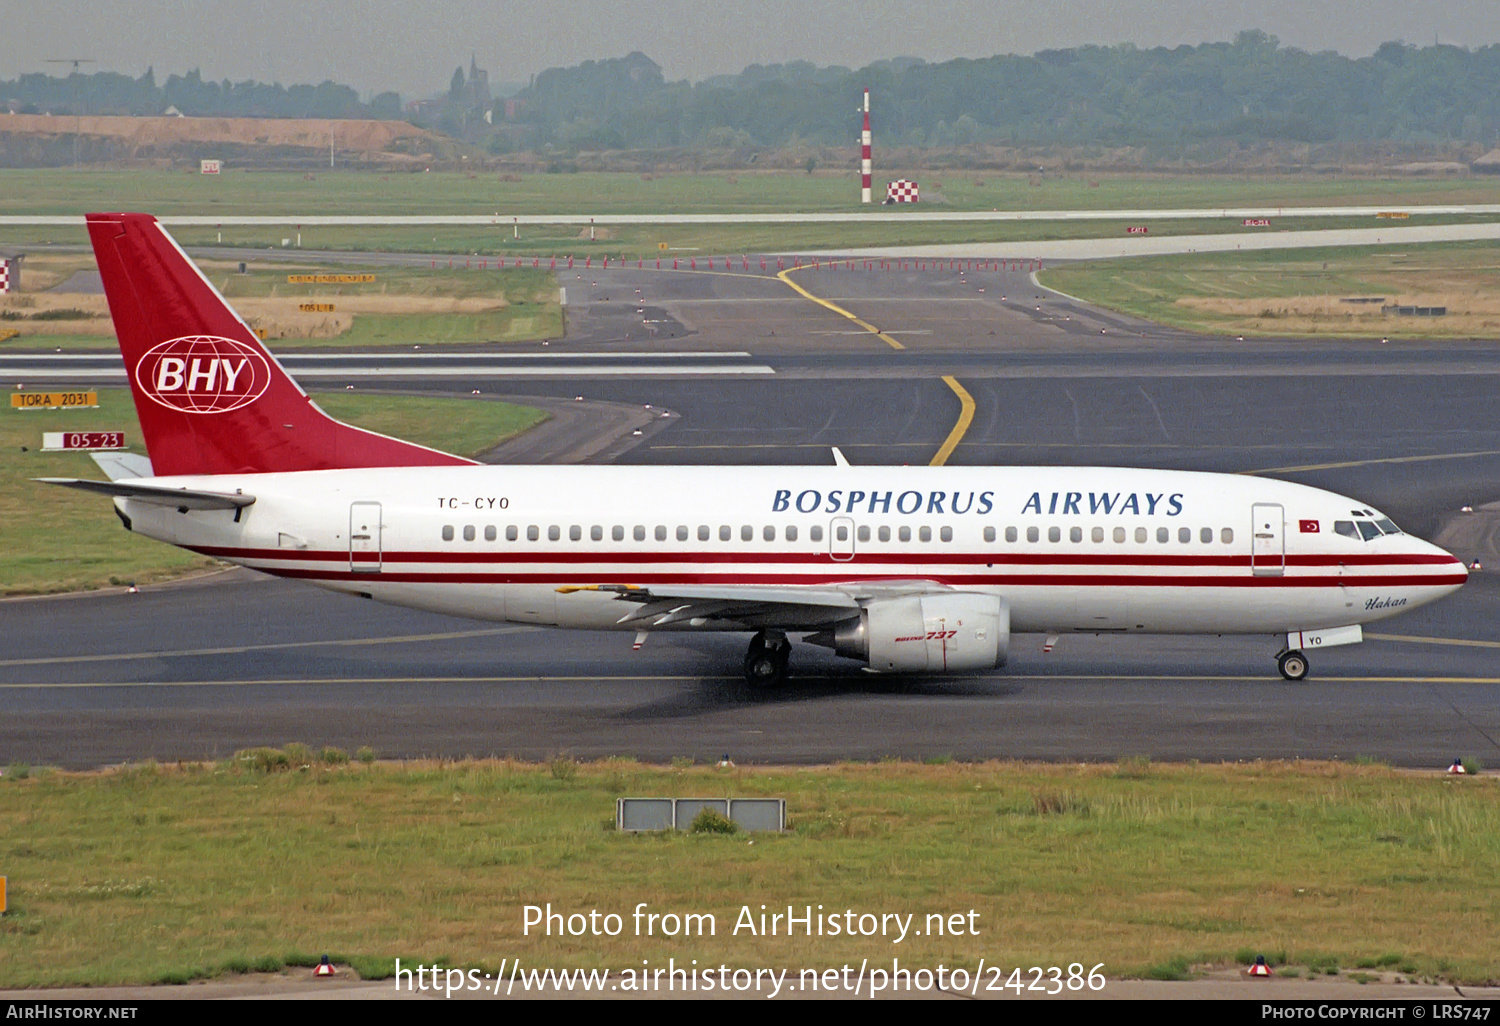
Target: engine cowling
x=938 y=633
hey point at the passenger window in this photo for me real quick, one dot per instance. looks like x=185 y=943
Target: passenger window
x=924 y=534
x=841 y=533
x=639 y=534
x=1075 y=534
x=617 y=533
x=864 y=534
x=1033 y=534
x=682 y=532
x=468 y=532
x=448 y=532
x=791 y=532
x=946 y=534
x=596 y=533
x=1206 y=535
x=1010 y=534
x=724 y=532
x=1140 y=534
x=768 y=533
x=885 y=534
x=489 y=533
x=1097 y=534
x=1054 y=534
x=575 y=533
x=815 y=532
x=553 y=532
x=989 y=534
x=1163 y=535
x=747 y=533
x=1119 y=535
x=533 y=533
x=904 y=534
x=1184 y=534
x=1226 y=535
x=704 y=534
x=1345 y=528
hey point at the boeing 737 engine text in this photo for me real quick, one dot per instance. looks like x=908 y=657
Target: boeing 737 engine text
x=905 y=569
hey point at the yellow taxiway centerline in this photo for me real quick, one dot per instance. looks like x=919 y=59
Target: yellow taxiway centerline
x=784 y=276
x=965 y=418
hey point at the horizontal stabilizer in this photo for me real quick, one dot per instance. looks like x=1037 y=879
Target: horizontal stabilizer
x=161 y=495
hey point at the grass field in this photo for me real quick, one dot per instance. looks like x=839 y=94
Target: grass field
x=63 y=191
x=402 y=306
x=160 y=874
x=57 y=539
x=1302 y=292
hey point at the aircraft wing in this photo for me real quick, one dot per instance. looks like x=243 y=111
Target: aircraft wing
x=793 y=607
x=161 y=495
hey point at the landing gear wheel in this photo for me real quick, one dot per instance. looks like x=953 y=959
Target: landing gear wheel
x=1293 y=665
x=766 y=661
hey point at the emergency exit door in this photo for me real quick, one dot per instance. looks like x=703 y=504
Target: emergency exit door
x=364 y=537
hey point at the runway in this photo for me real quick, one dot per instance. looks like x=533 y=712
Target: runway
x=198 y=670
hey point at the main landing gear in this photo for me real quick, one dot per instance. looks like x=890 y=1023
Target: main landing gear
x=766 y=662
x=1292 y=664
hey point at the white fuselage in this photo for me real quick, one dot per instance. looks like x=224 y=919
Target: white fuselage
x=1070 y=549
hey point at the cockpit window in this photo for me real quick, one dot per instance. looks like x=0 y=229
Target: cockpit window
x=1367 y=530
x=1345 y=528
x=1386 y=525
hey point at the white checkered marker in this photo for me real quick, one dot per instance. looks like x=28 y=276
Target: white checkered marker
x=4 y=276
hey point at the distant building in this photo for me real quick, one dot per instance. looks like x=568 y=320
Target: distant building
x=477 y=87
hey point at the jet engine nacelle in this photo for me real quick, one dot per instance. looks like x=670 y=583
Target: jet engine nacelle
x=929 y=633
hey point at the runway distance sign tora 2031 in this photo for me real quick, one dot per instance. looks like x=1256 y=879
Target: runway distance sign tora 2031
x=904 y=569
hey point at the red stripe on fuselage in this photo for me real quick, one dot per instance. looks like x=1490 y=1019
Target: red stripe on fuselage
x=993 y=580
x=914 y=559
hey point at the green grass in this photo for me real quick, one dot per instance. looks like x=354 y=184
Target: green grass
x=57 y=539
x=1462 y=275
x=151 y=873
x=646 y=241
x=62 y=191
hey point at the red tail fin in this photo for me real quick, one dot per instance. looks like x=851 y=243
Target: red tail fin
x=211 y=399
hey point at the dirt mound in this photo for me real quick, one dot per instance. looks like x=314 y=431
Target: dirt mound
x=125 y=138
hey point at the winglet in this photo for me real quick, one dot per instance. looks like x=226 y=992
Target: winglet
x=838 y=458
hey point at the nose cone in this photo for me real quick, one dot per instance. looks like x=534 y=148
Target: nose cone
x=1449 y=572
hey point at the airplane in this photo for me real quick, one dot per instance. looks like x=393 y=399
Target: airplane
x=909 y=570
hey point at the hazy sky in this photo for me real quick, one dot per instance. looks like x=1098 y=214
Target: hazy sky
x=412 y=46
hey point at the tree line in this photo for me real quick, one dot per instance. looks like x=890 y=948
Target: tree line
x=1250 y=88
x=108 y=92
x=1107 y=95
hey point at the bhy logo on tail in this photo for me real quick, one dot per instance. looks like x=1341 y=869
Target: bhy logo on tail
x=203 y=374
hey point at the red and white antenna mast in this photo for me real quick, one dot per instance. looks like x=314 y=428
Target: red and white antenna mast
x=864 y=155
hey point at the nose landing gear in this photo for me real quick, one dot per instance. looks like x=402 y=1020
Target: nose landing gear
x=766 y=661
x=1292 y=664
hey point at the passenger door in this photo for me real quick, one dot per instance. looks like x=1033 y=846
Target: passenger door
x=1267 y=540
